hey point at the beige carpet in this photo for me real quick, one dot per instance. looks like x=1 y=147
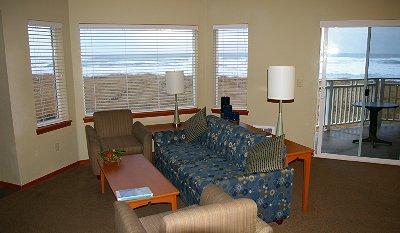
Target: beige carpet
x=344 y=197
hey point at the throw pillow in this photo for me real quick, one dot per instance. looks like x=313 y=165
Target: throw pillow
x=196 y=125
x=266 y=156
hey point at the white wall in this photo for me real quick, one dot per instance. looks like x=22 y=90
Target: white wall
x=36 y=154
x=9 y=166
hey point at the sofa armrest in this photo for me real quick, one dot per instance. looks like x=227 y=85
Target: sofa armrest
x=126 y=220
x=271 y=191
x=94 y=147
x=164 y=138
x=145 y=137
x=235 y=216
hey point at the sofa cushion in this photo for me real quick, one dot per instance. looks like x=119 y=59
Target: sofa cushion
x=129 y=143
x=266 y=156
x=189 y=153
x=228 y=140
x=202 y=173
x=196 y=125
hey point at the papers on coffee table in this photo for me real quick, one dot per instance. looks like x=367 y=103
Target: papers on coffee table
x=133 y=194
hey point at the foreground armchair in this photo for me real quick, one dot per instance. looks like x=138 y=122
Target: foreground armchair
x=114 y=129
x=217 y=212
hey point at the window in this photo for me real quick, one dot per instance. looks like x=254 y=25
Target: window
x=123 y=66
x=47 y=64
x=231 y=58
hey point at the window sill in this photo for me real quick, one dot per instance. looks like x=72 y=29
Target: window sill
x=52 y=127
x=152 y=114
x=240 y=111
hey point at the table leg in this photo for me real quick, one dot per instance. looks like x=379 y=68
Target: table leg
x=373 y=129
x=102 y=180
x=173 y=203
x=306 y=181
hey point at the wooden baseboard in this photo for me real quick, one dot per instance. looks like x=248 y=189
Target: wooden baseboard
x=86 y=161
x=27 y=185
x=10 y=185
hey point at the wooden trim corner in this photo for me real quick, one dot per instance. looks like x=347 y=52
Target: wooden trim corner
x=87 y=119
x=25 y=186
x=243 y=112
x=52 y=127
x=10 y=185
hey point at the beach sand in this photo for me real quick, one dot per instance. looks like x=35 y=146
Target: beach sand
x=141 y=93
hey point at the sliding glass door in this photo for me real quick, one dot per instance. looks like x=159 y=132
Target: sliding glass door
x=359 y=90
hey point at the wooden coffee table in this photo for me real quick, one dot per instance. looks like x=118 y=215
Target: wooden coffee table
x=135 y=171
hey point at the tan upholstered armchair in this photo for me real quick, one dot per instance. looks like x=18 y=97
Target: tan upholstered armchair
x=217 y=212
x=114 y=129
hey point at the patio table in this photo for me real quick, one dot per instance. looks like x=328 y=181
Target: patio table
x=374 y=108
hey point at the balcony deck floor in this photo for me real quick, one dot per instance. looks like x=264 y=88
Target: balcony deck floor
x=339 y=141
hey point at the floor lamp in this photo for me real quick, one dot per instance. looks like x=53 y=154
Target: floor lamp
x=174 y=81
x=280 y=87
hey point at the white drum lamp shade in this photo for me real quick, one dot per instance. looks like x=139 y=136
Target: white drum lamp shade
x=174 y=81
x=280 y=86
x=281 y=82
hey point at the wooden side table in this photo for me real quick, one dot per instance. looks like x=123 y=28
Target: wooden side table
x=294 y=152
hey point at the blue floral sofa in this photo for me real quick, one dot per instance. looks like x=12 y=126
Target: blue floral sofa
x=219 y=156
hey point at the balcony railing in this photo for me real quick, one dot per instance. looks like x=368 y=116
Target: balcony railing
x=340 y=94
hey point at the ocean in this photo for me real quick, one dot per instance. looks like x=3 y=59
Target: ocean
x=339 y=66
x=352 y=66
x=103 y=65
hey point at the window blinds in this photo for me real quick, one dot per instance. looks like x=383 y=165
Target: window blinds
x=231 y=59
x=123 y=66
x=47 y=64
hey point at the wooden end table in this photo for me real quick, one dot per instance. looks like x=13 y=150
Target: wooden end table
x=294 y=152
x=135 y=171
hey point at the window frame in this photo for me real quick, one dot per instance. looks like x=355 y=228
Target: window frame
x=240 y=45
x=45 y=44
x=190 y=68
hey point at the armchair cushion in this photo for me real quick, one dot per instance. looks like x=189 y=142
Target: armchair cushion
x=196 y=125
x=129 y=143
x=266 y=156
x=113 y=123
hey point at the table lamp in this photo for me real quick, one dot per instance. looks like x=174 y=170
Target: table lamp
x=280 y=87
x=175 y=86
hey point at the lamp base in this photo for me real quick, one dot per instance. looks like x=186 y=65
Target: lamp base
x=279 y=125
x=177 y=121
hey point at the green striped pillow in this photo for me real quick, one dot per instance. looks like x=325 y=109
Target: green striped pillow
x=266 y=156
x=196 y=125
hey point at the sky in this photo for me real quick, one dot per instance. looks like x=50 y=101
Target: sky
x=384 y=40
